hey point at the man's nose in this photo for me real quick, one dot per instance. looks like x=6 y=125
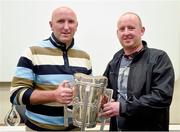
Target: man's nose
x=126 y=31
x=66 y=25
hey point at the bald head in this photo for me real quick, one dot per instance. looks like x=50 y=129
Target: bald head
x=131 y=14
x=60 y=10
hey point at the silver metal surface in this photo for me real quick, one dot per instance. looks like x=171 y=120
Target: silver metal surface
x=88 y=92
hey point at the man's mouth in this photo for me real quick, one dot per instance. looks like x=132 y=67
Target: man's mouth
x=65 y=34
x=127 y=40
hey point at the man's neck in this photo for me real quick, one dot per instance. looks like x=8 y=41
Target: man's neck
x=58 y=42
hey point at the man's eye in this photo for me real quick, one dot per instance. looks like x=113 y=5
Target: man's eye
x=60 y=21
x=121 y=29
x=71 y=21
x=131 y=28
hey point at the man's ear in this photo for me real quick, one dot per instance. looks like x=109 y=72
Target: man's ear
x=117 y=32
x=142 y=31
x=50 y=24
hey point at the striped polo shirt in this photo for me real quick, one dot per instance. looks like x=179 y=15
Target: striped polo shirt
x=44 y=67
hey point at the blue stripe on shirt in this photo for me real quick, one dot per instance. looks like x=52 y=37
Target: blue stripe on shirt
x=23 y=72
x=45 y=43
x=54 y=79
x=45 y=119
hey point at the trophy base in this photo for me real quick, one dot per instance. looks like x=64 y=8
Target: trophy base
x=79 y=124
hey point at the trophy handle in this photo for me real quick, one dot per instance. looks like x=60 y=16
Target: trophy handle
x=108 y=93
x=67 y=111
x=67 y=114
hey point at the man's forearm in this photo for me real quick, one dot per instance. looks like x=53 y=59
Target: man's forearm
x=41 y=97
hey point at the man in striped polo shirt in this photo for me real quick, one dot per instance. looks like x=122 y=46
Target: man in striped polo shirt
x=43 y=71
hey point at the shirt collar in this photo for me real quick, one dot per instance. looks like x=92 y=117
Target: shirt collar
x=59 y=44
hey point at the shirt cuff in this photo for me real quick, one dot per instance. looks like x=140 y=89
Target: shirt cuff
x=26 y=96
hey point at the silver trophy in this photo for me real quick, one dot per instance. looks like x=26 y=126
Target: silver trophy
x=88 y=93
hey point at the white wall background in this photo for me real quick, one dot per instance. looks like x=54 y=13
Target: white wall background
x=24 y=21
x=0 y=36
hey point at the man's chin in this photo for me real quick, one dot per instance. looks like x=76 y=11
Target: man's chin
x=128 y=44
x=65 y=40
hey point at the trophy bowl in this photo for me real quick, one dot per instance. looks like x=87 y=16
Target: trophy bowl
x=88 y=92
